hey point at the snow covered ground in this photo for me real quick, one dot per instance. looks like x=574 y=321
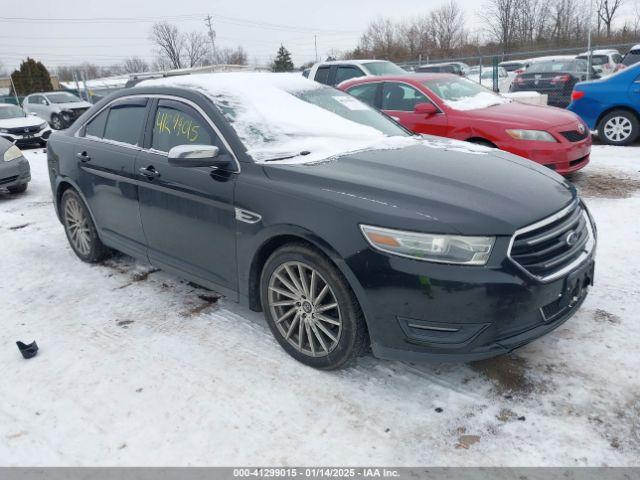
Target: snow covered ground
x=137 y=367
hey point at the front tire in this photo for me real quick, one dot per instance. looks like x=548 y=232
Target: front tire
x=311 y=309
x=56 y=122
x=80 y=229
x=618 y=128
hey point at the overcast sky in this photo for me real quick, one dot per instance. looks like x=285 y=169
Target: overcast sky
x=107 y=32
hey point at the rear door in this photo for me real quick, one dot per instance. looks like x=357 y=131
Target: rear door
x=399 y=101
x=106 y=152
x=634 y=93
x=187 y=213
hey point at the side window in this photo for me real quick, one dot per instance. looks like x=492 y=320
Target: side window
x=37 y=99
x=178 y=124
x=322 y=75
x=95 y=127
x=125 y=122
x=365 y=93
x=401 y=97
x=346 y=72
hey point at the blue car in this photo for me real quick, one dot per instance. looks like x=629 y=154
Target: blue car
x=611 y=106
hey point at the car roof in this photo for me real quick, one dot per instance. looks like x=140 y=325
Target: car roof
x=409 y=77
x=635 y=47
x=350 y=62
x=600 y=52
x=440 y=64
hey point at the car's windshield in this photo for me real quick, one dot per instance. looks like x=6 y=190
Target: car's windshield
x=384 y=68
x=557 y=66
x=62 y=97
x=11 y=111
x=596 y=60
x=463 y=94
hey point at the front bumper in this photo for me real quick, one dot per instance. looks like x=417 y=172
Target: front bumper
x=14 y=173
x=563 y=156
x=424 y=311
x=22 y=140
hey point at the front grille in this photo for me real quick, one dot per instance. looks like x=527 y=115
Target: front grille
x=23 y=130
x=548 y=248
x=575 y=135
x=78 y=111
x=8 y=179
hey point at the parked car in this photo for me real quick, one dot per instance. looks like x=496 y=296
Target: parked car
x=454 y=107
x=631 y=58
x=554 y=78
x=335 y=72
x=60 y=108
x=15 y=173
x=605 y=62
x=21 y=128
x=504 y=81
x=344 y=228
x=457 y=68
x=611 y=106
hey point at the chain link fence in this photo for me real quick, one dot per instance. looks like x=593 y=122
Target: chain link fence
x=489 y=70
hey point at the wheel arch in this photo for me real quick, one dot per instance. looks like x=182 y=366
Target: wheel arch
x=289 y=236
x=626 y=108
x=65 y=184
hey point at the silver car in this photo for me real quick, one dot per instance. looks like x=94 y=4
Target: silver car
x=15 y=172
x=60 y=109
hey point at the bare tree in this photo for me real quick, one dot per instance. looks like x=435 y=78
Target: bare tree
x=196 y=48
x=607 y=10
x=170 y=43
x=531 y=21
x=447 y=26
x=135 y=65
x=501 y=17
x=229 y=56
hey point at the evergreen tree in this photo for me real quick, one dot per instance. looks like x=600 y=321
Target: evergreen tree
x=31 y=77
x=283 y=61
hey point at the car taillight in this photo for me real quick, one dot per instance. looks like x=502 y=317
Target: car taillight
x=518 y=80
x=577 y=95
x=519 y=71
x=561 y=78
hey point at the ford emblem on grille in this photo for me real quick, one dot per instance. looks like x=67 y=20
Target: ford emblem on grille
x=26 y=130
x=570 y=239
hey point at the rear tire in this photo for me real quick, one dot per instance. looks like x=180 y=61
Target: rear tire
x=80 y=229
x=618 y=127
x=310 y=308
x=19 y=189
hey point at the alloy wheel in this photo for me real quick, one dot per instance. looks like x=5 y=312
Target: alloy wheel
x=77 y=226
x=304 y=309
x=56 y=122
x=618 y=129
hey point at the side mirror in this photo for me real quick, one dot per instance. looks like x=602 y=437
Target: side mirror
x=425 y=109
x=197 y=156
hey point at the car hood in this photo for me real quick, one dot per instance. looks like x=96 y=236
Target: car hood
x=523 y=115
x=439 y=190
x=28 y=121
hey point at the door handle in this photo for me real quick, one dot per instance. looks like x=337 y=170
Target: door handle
x=83 y=156
x=149 y=172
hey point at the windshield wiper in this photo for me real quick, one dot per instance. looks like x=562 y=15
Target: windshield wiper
x=304 y=153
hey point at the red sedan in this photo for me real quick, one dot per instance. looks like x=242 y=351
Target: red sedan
x=454 y=107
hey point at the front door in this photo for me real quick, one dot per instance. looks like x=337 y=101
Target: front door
x=187 y=212
x=106 y=153
x=399 y=101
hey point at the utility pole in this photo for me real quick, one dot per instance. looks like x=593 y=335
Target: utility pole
x=589 y=53
x=315 y=41
x=212 y=37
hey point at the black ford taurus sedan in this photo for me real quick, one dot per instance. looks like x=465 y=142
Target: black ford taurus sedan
x=345 y=229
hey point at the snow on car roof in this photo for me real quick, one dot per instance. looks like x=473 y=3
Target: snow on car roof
x=273 y=122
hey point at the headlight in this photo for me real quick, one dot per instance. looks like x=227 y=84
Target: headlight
x=537 y=135
x=4 y=130
x=44 y=125
x=430 y=247
x=12 y=153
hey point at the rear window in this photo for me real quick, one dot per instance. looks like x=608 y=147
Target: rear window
x=124 y=124
x=511 y=67
x=596 y=60
x=384 y=68
x=551 y=66
x=346 y=72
